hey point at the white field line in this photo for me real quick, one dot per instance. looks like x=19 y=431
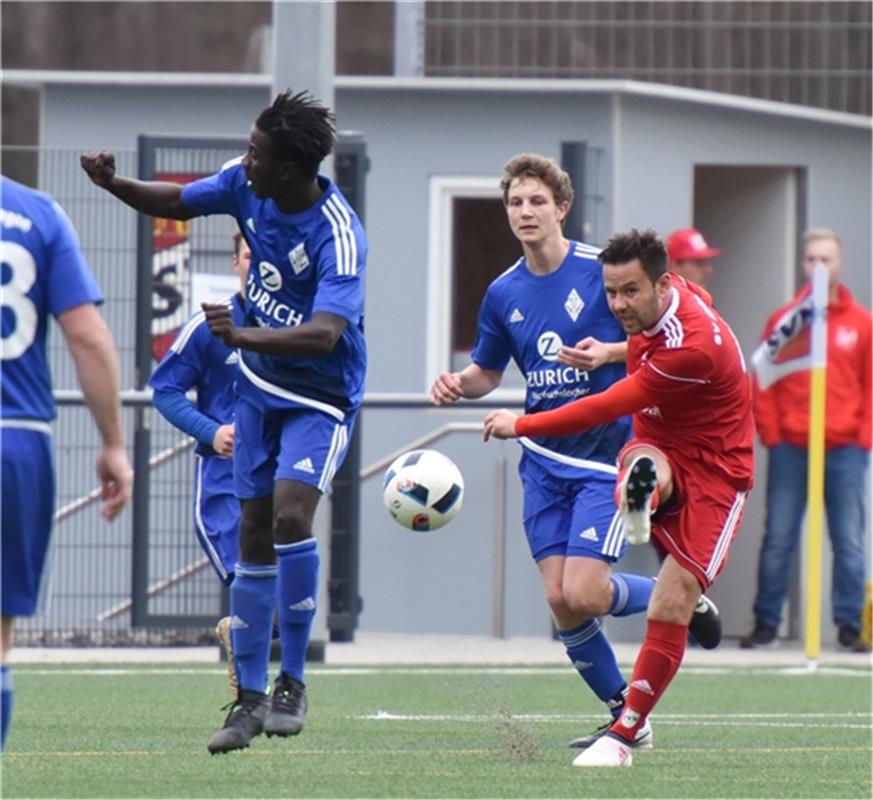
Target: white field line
x=704 y=720
x=557 y=672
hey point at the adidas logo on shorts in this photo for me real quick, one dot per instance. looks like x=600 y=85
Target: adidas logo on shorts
x=305 y=465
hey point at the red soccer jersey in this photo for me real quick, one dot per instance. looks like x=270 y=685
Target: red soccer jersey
x=691 y=369
x=687 y=387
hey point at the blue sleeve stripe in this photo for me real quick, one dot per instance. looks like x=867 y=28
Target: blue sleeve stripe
x=343 y=236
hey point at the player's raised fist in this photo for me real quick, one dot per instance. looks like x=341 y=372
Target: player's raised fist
x=100 y=166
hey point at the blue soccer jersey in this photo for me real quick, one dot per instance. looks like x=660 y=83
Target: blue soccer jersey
x=302 y=264
x=43 y=275
x=527 y=318
x=198 y=360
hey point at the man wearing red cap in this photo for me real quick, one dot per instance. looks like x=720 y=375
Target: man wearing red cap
x=689 y=255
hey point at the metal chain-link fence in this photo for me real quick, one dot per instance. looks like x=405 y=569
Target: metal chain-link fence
x=86 y=593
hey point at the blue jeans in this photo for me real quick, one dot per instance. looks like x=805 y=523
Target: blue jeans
x=845 y=500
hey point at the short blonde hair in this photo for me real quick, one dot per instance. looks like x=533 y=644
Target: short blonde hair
x=814 y=234
x=547 y=170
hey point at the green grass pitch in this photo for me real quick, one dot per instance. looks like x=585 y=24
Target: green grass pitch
x=473 y=732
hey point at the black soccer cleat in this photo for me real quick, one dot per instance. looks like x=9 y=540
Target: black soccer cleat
x=705 y=625
x=636 y=492
x=287 y=708
x=243 y=723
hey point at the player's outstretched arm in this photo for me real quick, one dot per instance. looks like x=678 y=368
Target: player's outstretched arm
x=623 y=397
x=155 y=198
x=471 y=382
x=93 y=351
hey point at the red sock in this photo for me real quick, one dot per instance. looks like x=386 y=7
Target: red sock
x=656 y=665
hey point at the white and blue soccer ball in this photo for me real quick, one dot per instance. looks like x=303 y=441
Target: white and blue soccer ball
x=423 y=490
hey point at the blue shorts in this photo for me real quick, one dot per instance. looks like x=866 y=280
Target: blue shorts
x=275 y=441
x=28 y=497
x=216 y=514
x=570 y=517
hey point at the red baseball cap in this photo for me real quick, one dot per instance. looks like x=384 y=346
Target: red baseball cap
x=688 y=244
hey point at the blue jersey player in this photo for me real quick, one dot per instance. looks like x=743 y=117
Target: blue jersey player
x=44 y=274
x=198 y=360
x=551 y=305
x=302 y=364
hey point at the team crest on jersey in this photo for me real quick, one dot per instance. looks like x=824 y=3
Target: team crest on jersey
x=846 y=338
x=548 y=345
x=574 y=304
x=298 y=258
x=271 y=278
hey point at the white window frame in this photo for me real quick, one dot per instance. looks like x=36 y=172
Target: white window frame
x=444 y=190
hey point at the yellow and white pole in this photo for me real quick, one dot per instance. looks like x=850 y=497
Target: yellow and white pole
x=816 y=462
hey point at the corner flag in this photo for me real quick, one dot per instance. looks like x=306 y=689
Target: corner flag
x=812 y=311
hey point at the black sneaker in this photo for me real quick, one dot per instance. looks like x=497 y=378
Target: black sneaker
x=243 y=723
x=705 y=625
x=762 y=636
x=287 y=708
x=850 y=638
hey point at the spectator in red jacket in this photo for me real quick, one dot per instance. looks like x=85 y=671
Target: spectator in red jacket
x=689 y=255
x=782 y=420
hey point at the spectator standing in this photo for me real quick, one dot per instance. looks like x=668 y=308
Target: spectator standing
x=689 y=255
x=782 y=421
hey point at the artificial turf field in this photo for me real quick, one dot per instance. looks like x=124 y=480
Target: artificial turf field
x=467 y=732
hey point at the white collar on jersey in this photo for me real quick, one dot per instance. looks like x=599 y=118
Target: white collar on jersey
x=666 y=316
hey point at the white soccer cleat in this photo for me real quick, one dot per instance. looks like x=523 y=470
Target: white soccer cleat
x=639 y=486
x=607 y=751
x=644 y=740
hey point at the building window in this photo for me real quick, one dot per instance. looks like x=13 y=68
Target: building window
x=471 y=244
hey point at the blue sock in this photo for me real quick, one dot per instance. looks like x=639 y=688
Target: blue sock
x=591 y=653
x=252 y=607
x=6 y=691
x=298 y=590
x=630 y=593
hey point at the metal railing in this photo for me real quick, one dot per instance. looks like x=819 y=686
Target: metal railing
x=89 y=627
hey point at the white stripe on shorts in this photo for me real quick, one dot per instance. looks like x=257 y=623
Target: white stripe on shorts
x=337 y=445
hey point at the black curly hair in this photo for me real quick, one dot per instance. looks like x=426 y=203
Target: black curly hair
x=645 y=245
x=301 y=130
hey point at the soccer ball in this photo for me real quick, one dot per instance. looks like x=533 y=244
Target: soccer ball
x=423 y=490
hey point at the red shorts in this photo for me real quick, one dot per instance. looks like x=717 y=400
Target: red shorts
x=699 y=522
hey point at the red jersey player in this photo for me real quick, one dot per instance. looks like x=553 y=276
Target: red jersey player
x=685 y=474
